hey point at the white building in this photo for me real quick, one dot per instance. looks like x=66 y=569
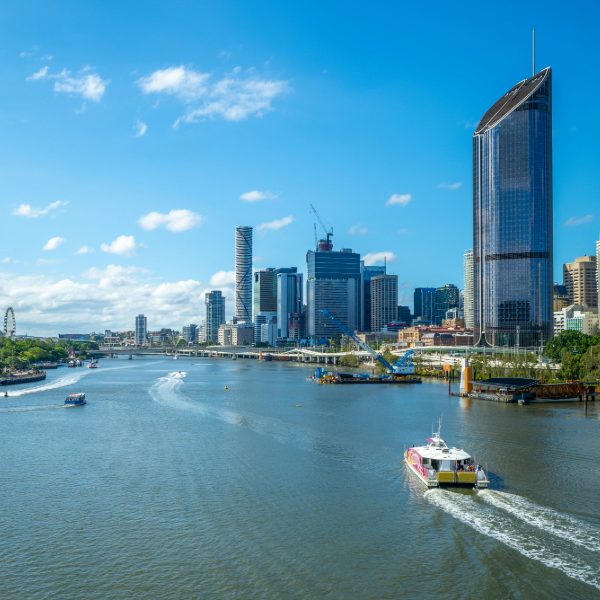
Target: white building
x=576 y=318
x=468 y=306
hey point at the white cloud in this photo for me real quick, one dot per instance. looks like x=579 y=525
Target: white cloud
x=257 y=196
x=276 y=224
x=140 y=129
x=107 y=298
x=175 y=220
x=401 y=199
x=53 y=243
x=358 y=230
x=186 y=84
x=84 y=250
x=122 y=244
x=575 y=221
x=378 y=257
x=450 y=186
x=28 y=211
x=222 y=278
x=85 y=83
x=41 y=74
x=234 y=97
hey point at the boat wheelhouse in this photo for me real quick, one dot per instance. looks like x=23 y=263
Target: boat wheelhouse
x=436 y=464
x=75 y=399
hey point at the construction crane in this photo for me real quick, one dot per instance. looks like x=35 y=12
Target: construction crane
x=323 y=244
x=403 y=366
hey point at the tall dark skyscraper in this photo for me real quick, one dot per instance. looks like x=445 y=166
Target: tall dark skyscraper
x=512 y=217
x=423 y=304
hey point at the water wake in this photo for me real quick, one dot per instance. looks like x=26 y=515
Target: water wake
x=64 y=381
x=547 y=546
x=558 y=524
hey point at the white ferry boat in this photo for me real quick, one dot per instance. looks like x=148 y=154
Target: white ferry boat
x=75 y=400
x=436 y=464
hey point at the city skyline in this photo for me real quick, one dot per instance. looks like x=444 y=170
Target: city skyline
x=125 y=169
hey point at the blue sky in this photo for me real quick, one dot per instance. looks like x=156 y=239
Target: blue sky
x=115 y=114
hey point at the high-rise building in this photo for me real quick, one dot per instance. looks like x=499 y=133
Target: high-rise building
x=444 y=298
x=423 y=304
x=333 y=283
x=404 y=317
x=367 y=273
x=579 y=277
x=243 y=273
x=215 y=314
x=512 y=217
x=264 y=292
x=468 y=290
x=289 y=301
x=384 y=301
x=141 y=330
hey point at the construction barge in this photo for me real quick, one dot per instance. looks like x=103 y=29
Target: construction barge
x=334 y=377
x=22 y=377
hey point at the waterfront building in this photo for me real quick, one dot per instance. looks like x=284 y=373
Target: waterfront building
x=598 y=275
x=215 y=314
x=579 y=278
x=243 y=273
x=268 y=333
x=296 y=325
x=190 y=333
x=333 y=283
x=384 y=301
x=468 y=308
x=512 y=217
x=141 y=330
x=289 y=300
x=560 y=297
x=264 y=318
x=423 y=304
x=366 y=274
x=445 y=297
x=235 y=334
x=576 y=317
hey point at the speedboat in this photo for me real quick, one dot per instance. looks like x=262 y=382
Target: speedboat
x=93 y=364
x=436 y=464
x=75 y=400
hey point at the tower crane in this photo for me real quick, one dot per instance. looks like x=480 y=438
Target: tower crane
x=328 y=231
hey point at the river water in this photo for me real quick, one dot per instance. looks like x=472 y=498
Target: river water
x=168 y=485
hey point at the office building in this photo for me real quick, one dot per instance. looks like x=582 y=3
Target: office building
x=264 y=292
x=576 y=318
x=235 y=334
x=423 y=304
x=444 y=298
x=215 y=315
x=404 y=317
x=467 y=307
x=141 y=330
x=190 y=333
x=289 y=300
x=333 y=283
x=579 y=278
x=512 y=217
x=384 y=301
x=243 y=274
x=367 y=273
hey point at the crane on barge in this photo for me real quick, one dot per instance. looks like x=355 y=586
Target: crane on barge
x=403 y=366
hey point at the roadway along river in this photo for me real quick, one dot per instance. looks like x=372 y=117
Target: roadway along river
x=167 y=485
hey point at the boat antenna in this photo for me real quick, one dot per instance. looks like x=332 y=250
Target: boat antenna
x=533 y=51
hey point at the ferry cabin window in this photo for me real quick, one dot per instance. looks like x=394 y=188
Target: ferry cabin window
x=447 y=465
x=435 y=464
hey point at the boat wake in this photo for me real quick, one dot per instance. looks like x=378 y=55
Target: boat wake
x=534 y=531
x=64 y=381
x=168 y=392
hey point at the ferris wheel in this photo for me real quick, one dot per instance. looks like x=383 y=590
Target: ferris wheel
x=10 y=325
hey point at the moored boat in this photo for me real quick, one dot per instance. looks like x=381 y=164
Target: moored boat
x=75 y=399
x=436 y=464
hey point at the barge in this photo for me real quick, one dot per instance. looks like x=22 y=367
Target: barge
x=26 y=377
x=323 y=376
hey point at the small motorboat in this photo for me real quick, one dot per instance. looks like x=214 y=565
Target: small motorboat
x=93 y=364
x=436 y=464
x=75 y=399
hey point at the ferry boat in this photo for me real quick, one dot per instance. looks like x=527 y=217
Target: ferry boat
x=438 y=465
x=75 y=400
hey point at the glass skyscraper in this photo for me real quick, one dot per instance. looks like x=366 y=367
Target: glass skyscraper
x=243 y=273
x=512 y=217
